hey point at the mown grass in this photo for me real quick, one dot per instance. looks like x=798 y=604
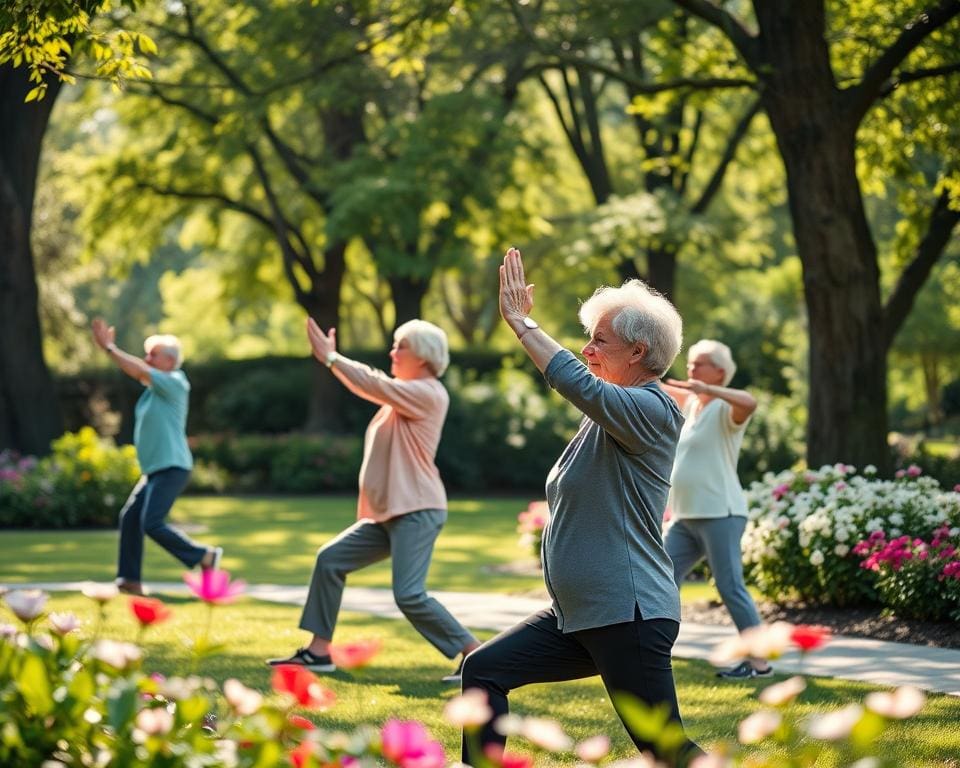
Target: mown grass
x=404 y=682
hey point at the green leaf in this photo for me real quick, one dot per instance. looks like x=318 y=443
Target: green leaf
x=34 y=685
x=121 y=704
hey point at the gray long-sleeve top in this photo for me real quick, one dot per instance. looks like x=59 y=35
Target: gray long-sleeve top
x=603 y=553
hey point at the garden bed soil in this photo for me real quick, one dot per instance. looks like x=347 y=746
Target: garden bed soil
x=855 y=622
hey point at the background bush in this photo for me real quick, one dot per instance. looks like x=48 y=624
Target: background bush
x=83 y=482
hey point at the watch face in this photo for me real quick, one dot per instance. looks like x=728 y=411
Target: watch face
x=530 y=322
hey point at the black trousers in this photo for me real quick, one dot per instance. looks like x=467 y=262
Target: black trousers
x=632 y=658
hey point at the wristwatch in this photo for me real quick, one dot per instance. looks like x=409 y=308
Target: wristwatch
x=330 y=359
x=530 y=323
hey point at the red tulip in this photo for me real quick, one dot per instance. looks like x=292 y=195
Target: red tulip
x=149 y=610
x=303 y=686
x=354 y=655
x=300 y=756
x=299 y=721
x=809 y=637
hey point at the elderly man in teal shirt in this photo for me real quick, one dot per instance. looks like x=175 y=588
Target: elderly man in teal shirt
x=159 y=435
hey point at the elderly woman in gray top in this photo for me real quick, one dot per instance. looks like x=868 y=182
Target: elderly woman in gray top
x=616 y=608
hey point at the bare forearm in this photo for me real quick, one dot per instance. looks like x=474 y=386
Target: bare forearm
x=742 y=402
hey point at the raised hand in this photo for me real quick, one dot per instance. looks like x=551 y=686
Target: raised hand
x=516 y=297
x=103 y=334
x=321 y=343
x=697 y=387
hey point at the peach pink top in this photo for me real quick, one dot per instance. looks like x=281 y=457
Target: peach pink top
x=398 y=474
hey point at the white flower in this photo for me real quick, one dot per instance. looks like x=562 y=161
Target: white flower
x=109 y=499
x=835 y=725
x=783 y=693
x=546 y=734
x=245 y=701
x=594 y=749
x=115 y=654
x=154 y=722
x=63 y=623
x=225 y=751
x=766 y=641
x=101 y=593
x=758 y=726
x=816 y=557
x=712 y=761
x=27 y=604
x=508 y=725
x=7 y=630
x=469 y=709
x=869 y=470
x=904 y=702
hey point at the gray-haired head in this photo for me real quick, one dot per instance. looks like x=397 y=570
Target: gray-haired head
x=640 y=315
x=428 y=342
x=167 y=344
x=718 y=353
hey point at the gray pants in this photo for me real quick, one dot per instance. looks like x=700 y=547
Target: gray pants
x=408 y=540
x=688 y=541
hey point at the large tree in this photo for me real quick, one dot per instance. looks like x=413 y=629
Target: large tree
x=820 y=70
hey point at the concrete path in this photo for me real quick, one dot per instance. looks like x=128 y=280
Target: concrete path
x=848 y=658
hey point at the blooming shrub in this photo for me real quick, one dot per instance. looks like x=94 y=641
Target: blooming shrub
x=83 y=482
x=804 y=525
x=915 y=577
x=530 y=525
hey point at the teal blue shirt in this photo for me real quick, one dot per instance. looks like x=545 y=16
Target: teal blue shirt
x=160 y=424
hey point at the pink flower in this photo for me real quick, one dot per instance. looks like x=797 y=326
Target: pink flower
x=245 y=701
x=899 y=474
x=956 y=488
x=535 y=518
x=468 y=710
x=758 y=726
x=408 y=745
x=914 y=471
x=27 y=604
x=496 y=755
x=594 y=749
x=783 y=693
x=354 y=655
x=546 y=734
x=904 y=702
x=214 y=586
x=780 y=491
x=835 y=725
x=63 y=623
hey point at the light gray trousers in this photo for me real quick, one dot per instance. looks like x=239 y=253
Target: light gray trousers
x=408 y=540
x=688 y=541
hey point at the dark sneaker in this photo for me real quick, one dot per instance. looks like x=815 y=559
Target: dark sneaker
x=214 y=560
x=303 y=658
x=745 y=671
x=131 y=588
x=455 y=677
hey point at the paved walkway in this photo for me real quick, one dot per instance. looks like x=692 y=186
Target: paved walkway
x=849 y=658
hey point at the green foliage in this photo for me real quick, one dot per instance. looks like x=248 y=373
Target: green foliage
x=81 y=483
x=43 y=35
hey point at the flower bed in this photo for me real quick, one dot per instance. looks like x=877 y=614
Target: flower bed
x=803 y=537
x=83 y=482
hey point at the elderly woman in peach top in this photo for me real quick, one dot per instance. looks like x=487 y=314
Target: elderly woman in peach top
x=402 y=504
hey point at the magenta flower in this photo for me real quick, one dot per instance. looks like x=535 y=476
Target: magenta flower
x=780 y=491
x=408 y=745
x=214 y=586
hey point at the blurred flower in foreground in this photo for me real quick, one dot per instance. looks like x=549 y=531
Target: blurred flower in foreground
x=214 y=586
x=245 y=701
x=835 y=725
x=469 y=710
x=902 y=703
x=100 y=593
x=303 y=686
x=409 y=745
x=783 y=693
x=27 y=604
x=149 y=610
x=63 y=623
x=758 y=726
x=356 y=654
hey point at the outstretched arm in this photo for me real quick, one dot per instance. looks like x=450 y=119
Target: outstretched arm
x=516 y=301
x=742 y=403
x=134 y=367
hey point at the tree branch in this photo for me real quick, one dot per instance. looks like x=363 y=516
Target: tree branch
x=739 y=133
x=902 y=78
x=861 y=96
x=743 y=41
x=646 y=87
x=943 y=219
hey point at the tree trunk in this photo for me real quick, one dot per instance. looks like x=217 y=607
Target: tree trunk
x=847 y=419
x=29 y=411
x=324 y=413
x=407 y=293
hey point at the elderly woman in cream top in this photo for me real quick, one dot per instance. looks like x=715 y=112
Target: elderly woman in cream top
x=709 y=510
x=402 y=505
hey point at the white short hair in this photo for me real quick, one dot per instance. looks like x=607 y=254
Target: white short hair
x=169 y=345
x=642 y=316
x=719 y=354
x=428 y=342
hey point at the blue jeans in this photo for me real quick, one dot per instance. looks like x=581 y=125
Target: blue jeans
x=145 y=513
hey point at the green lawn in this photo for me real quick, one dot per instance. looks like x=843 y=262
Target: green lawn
x=403 y=681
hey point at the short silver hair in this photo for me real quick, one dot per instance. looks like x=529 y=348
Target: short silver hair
x=642 y=316
x=166 y=343
x=427 y=341
x=719 y=354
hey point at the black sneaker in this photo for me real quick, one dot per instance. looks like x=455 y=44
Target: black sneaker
x=455 y=677
x=303 y=658
x=745 y=671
